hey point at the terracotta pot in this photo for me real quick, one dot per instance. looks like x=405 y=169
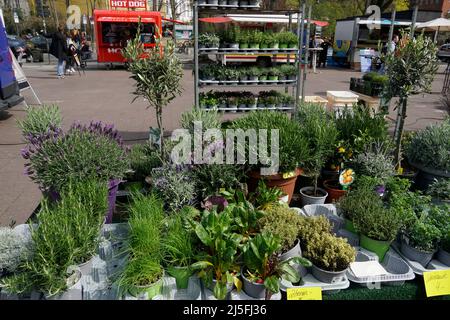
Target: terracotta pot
x=333 y=194
x=277 y=180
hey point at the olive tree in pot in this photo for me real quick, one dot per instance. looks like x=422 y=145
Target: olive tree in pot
x=378 y=226
x=411 y=69
x=429 y=151
x=292 y=150
x=157 y=73
x=263 y=269
x=319 y=130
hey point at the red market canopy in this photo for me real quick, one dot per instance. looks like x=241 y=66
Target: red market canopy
x=175 y=21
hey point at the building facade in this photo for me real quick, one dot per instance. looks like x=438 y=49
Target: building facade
x=437 y=5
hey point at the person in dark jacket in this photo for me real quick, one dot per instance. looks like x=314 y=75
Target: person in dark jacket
x=58 y=49
x=323 y=56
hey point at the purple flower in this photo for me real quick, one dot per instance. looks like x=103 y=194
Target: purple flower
x=380 y=190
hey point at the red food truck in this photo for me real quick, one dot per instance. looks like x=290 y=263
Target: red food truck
x=113 y=28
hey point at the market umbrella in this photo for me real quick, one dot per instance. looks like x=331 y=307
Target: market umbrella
x=436 y=25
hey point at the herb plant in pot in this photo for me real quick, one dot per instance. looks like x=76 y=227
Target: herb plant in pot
x=378 y=226
x=274 y=74
x=217 y=258
x=330 y=256
x=255 y=38
x=420 y=242
x=243 y=39
x=319 y=130
x=263 y=270
x=292 y=150
x=143 y=273
x=253 y=74
x=179 y=251
x=429 y=151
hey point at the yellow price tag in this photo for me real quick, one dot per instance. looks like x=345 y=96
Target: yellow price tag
x=437 y=283
x=309 y=293
x=288 y=175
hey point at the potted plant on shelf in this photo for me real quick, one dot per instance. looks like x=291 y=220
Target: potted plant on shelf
x=273 y=74
x=243 y=38
x=232 y=103
x=232 y=74
x=230 y=35
x=330 y=256
x=267 y=41
x=429 y=152
x=289 y=71
x=292 y=151
x=320 y=131
x=253 y=74
x=287 y=40
x=217 y=260
x=378 y=226
x=288 y=102
x=263 y=270
x=255 y=38
x=263 y=73
x=243 y=74
x=208 y=72
x=271 y=102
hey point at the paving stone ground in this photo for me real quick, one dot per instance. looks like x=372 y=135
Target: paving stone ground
x=105 y=95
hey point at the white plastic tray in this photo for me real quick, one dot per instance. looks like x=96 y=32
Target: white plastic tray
x=310 y=281
x=434 y=265
x=398 y=271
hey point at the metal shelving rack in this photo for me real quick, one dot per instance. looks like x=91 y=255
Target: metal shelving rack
x=296 y=85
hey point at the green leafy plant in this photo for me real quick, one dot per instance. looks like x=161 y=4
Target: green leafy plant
x=410 y=70
x=430 y=147
x=157 y=74
x=318 y=128
x=440 y=189
x=424 y=236
x=293 y=150
x=218 y=259
x=264 y=197
x=263 y=266
x=310 y=226
x=288 y=70
x=245 y=218
x=358 y=128
x=210 y=40
x=40 y=120
x=329 y=252
x=283 y=222
x=287 y=38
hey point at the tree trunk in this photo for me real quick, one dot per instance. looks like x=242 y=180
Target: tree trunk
x=161 y=129
x=398 y=134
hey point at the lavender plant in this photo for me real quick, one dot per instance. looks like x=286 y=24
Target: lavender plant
x=85 y=151
x=39 y=120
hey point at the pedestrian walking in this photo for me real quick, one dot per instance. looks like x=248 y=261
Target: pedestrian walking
x=323 y=55
x=58 y=49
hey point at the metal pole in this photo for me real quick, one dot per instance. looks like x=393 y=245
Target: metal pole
x=414 y=20
x=196 y=88
x=308 y=30
x=391 y=30
x=286 y=89
x=301 y=29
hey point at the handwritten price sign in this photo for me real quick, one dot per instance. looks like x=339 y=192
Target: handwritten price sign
x=311 y=293
x=437 y=283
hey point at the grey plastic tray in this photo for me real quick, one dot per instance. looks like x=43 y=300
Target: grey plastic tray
x=434 y=265
x=398 y=270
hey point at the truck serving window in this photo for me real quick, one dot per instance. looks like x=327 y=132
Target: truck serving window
x=118 y=33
